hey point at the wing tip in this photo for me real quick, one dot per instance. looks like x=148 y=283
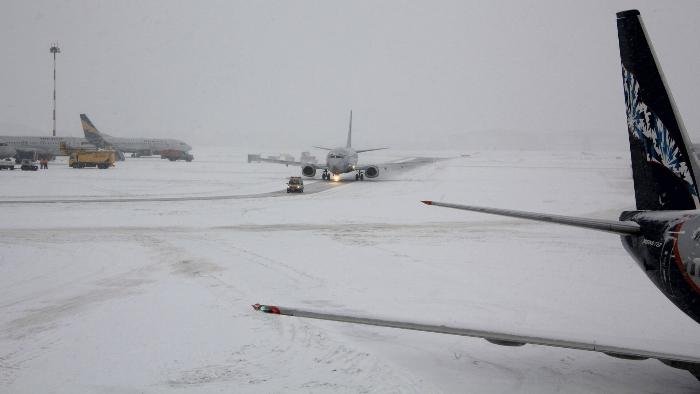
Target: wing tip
x=266 y=308
x=427 y=202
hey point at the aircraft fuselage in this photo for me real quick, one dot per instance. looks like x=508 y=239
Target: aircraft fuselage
x=147 y=146
x=669 y=253
x=341 y=160
x=9 y=145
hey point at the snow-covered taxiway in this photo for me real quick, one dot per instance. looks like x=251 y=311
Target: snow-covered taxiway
x=154 y=296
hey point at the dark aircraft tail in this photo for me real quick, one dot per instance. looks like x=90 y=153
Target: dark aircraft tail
x=663 y=167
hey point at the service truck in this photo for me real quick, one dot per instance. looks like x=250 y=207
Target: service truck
x=97 y=158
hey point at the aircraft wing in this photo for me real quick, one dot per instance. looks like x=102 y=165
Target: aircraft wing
x=407 y=163
x=369 y=150
x=613 y=226
x=689 y=363
x=260 y=159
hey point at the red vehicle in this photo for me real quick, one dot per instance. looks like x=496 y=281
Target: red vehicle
x=174 y=155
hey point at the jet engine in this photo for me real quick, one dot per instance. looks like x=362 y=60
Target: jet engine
x=309 y=171
x=665 y=250
x=372 y=172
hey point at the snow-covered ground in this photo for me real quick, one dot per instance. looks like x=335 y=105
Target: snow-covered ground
x=125 y=297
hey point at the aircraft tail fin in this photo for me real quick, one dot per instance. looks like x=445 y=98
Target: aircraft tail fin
x=663 y=162
x=91 y=133
x=349 y=144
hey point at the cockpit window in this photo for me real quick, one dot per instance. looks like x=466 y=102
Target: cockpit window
x=335 y=156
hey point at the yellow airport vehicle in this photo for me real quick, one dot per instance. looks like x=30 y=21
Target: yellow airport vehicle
x=99 y=158
x=81 y=157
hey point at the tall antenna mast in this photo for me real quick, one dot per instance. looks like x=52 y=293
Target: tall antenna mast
x=349 y=144
x=54 y=49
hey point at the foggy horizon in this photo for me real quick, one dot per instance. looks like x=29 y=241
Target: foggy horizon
x=283 y=74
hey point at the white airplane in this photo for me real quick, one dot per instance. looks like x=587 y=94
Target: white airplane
x=170 y=148
x=49 y=147
x=339 y=160
x=661 y=235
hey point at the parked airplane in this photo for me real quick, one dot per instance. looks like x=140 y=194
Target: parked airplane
x=48 y=147
x=166 y=147
x=338 y=161
x=661 y=235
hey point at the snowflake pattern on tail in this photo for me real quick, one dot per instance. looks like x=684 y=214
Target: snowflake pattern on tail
x=645 y=126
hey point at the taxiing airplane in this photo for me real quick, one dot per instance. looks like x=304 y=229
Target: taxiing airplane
x=662 y=235
x=167 y=147
x=338 y=161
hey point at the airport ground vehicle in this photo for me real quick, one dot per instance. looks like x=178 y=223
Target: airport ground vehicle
x=28 y=165
x=174 y=155
x=22 y=154
x=100 y=158
x=295 y=185
x=7 y=164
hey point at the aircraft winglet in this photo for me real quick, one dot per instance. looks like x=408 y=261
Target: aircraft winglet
x=267 y=309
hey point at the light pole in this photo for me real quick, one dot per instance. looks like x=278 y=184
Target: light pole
x=54 y=49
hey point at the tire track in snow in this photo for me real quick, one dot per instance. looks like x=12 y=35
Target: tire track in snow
x=312 y=188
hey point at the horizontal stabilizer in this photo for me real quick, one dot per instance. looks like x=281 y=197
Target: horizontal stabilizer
x=613 y=226
x=500 y=338
x=323 y=147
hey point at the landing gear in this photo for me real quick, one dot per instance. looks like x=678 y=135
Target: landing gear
x=326 y=176
x=360 y=176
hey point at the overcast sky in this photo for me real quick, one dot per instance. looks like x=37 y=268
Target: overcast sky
x=286 y=73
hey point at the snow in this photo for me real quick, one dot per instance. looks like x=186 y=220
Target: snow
x=154 y=296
